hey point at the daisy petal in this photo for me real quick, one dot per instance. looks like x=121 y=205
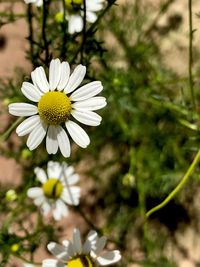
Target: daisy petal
x=75 y=79
x=41 y=79
x=27 y=125
x=70 y=248
x=60 y=210
x=54 y=169
x=87 y=91
x=39 y=200
x=77 y=241
x=40 y=174
x=63 y=142
x=52 y=263
x=70 y=180
x=71 y=195
x=58 y=251
x=91 y=16
x=87 y=117
x=36 y=136
x=79 y=136
x=75 y=24
x=22 y=109
x=51 y=140
x=99 y=246
x=93 y=103
x=45 y=208
x=31 y=92
x=34 y=192
x=64 y=77
x=109 y=258
x=54 y=73
x=90 y=242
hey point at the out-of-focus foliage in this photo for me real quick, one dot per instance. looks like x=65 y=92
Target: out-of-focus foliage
x=137 y=155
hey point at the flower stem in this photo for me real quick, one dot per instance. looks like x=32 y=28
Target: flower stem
x=8 y=132
x=191 y=55
x=178 y=187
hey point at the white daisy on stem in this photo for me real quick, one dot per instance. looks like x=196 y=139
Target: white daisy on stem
x=74 y=254
x=57 y=189
x=75 y=13
x=57 y=102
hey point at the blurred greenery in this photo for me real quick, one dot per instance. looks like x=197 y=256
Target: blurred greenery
x=147 y=140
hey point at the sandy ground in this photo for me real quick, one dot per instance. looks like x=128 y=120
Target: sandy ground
x=12 y=55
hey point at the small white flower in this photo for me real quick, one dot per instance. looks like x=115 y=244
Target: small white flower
x=75 y=14
x=37 y=2
x=57 y=102
x=57 y=189
x=74 y=254
x=28 y=265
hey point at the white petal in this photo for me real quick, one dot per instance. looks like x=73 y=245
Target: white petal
x=45 y=208
x=109 y=258
x=94 y=5
x=36 y=136
x=77 y=241
x=52 y=263
x=39 y=201
x=87 y=91
x=40 y=174
x=71 y=195
x=35 y=192
x=70 y=248
x=54 y=169
x=60 y=210
x=68 y=170
x=39 y=78
x=75 y=23
x=63 y=142
x=75 y=79
x=87 y=117
x=28 y=125
x=51 y=140
x=79 y=136
x=100 y=244
x=90 y=242
x=93 y=103
x=64 y=77
x=22 y=109
x=58 y=251
x=54 y=73
x=31 y=92
x=91 y=16
x=70 y=180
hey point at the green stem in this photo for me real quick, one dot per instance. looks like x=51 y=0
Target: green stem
x=191 y=54
x=10 y=129
x=178 y=187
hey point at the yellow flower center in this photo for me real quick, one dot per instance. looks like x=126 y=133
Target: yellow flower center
x=81 y=261
x=52 y=188
x=70 y=3
x=54 y=107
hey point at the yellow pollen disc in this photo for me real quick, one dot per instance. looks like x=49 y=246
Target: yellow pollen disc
x=52 y=188
x=54 y=108
x=81 y=261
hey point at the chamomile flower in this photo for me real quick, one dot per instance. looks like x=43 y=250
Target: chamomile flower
x=36 y=2
x=75 y=13
x=57 y=189
x=74 y=254
x=57 y=102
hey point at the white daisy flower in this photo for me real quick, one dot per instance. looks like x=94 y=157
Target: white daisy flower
x=57 y=102
x=37 y=2
x=74 y=254
x=57 y=189
x=75 y=13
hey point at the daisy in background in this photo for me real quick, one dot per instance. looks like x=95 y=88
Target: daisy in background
x=74 y=254
x=37 y=2
x=75 y=14
x=28 y=265
x=57 y=189
x=57 y=103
